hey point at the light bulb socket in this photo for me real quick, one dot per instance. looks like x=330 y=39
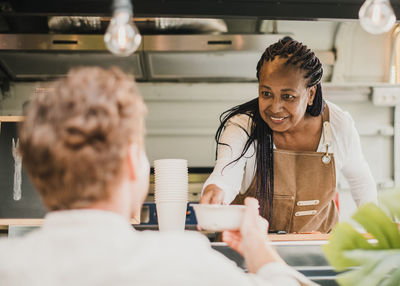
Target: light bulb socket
x=119 y=5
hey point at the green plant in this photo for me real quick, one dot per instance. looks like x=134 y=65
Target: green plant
x=373 y=261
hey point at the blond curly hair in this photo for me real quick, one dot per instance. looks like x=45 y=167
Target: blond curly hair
x=75 y=138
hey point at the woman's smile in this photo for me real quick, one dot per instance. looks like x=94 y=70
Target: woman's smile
x=278 y=119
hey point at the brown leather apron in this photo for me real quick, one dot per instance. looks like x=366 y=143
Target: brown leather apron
x=304 y=189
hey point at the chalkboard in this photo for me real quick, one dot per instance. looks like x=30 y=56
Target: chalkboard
x=30 y=204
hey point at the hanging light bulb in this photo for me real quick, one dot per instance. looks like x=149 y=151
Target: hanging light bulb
x=122 y=37
x=376 y=16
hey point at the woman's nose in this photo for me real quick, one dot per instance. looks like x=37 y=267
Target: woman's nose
x=276 y=105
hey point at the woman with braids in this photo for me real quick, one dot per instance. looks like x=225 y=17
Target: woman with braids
x=286 y=147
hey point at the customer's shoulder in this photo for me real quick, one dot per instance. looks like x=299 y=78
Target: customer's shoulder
x=175 y=239
x=12 y=251
x=7 y=244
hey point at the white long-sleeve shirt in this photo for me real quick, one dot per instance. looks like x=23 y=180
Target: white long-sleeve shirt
x=91 y=247
x=345 y=146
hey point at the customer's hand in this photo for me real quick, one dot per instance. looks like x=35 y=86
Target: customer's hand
x=212 y=194
x=253 y=227
x=251 y=241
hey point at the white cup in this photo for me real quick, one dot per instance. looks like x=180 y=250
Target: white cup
x=171 y=215
x=170 y=198
x=180 y=162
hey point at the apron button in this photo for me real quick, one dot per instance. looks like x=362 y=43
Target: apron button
x=326 y=159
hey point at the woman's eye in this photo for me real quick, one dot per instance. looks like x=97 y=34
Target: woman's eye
x=265 y=93
x=288 y=97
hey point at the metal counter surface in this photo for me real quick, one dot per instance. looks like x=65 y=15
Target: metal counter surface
x=305 y=256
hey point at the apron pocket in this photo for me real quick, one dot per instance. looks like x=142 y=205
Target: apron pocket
x=282 y=212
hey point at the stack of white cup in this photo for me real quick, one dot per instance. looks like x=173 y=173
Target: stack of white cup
x=171 y=193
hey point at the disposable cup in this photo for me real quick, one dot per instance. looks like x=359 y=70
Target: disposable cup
x=171 y=192
x=171 y=184
x=168 y=166
x=172 y=188
x=171 y=197
x=171 y=215
x=162 y=162
x=170 y=161
x=170 y=169
x=175 y=191
x=170 y=173
x=157 y=200
x=170 y=178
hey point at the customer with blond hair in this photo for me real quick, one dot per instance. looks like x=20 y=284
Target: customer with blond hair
x=82 y=145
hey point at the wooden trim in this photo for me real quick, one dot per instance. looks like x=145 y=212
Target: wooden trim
x=33 y=221
x=308 y=236
x=298 y=237
x=19 y=221
x=11 y=118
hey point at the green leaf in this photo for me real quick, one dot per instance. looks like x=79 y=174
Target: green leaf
x=379 y=225
x=355 y=276
x=393 y=279
x=390 y=199
x=376 y=267
x=344 y=237
x=379 y=263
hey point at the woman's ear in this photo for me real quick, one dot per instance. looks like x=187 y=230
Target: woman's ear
x=311 y=94
x=133 y=161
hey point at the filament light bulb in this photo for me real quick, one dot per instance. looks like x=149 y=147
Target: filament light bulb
x=122 y=37
x=376 y=16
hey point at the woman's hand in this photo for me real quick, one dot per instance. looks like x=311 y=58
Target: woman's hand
x=212 y=194
x=251 y=240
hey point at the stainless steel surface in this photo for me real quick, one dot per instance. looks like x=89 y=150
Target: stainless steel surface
x=150 y=43
x=46 y=56
x=305 y=256
x=180 y=43
x=160 y=57
x=39 y=65
x=53 y=42
x=201 y=43
x=20 y=230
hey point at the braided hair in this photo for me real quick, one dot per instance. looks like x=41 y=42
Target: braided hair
x=299 y=56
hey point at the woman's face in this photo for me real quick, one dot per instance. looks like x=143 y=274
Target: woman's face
x=283 y=95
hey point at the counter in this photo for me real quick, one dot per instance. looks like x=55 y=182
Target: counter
x=305 y=256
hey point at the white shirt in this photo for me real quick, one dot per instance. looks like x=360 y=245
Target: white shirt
x=90 y=247
x=345 y=146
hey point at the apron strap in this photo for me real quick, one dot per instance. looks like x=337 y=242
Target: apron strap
x=326 y=135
